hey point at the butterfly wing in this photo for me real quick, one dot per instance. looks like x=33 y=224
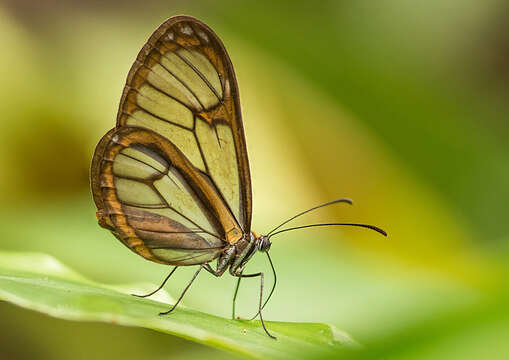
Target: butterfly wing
x=172 y=180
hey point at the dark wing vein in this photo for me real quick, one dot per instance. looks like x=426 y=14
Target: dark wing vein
x=180 y=81
x=154 y=115
x=194 y=251
x=217 y=138
x=156 y=206
x=201 y=153
x=221 y=80
x=127 y=177
x=199 y=73
x=141 y=161
x=185 y=217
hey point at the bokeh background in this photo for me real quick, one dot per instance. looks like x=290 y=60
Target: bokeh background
x=402 y=106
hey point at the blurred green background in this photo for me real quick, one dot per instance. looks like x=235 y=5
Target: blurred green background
x=402 y=106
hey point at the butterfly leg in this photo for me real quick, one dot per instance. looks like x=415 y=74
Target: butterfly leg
x=260 y=274
x=160 y=286
x=235 y=295
x=183 y=292
x=222 y=263
x=216 y=273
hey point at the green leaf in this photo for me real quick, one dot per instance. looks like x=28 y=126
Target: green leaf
x=41 y=283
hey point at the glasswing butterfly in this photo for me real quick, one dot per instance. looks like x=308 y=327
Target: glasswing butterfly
x=171 y=181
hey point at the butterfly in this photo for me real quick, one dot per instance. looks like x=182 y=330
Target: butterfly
x=171 y=180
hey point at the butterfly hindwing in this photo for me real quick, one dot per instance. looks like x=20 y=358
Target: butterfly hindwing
x=155 y=202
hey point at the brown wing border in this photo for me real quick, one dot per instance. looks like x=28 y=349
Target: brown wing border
x=95 y=169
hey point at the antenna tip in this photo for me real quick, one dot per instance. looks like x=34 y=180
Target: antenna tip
x=346 y=200
x=375 y=228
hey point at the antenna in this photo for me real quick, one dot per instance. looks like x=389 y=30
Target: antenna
x=342 y=200
x=371 y=227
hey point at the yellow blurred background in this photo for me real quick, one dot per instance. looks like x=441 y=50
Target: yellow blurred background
x=401 y=106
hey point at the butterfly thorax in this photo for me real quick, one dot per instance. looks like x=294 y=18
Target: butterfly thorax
x=236 y=256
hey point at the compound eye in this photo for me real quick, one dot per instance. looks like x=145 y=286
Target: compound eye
x=265 y=245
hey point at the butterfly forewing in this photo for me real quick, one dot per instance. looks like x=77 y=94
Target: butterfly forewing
x=172 y=180
x=182 y=86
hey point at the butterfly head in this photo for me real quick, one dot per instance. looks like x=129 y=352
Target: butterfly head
x=263 y=243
